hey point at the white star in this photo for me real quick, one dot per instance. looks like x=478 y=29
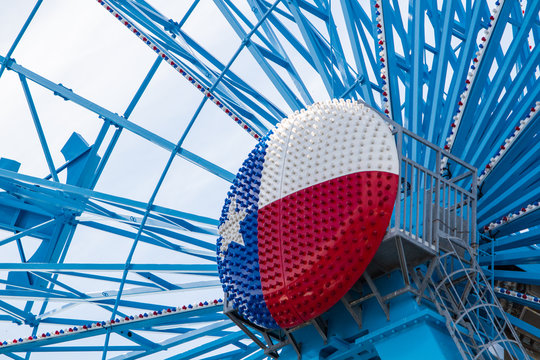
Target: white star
x=230 y=229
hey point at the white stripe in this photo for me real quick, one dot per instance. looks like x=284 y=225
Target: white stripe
x=323 y=142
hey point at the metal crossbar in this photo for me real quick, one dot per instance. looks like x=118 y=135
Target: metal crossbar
x=429 y=202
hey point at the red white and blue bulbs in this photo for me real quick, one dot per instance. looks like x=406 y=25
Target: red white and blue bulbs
x=307 y=212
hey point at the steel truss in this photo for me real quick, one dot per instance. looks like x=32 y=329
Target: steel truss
x=461 y=74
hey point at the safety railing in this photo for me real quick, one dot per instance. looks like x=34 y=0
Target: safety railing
x=431 y=202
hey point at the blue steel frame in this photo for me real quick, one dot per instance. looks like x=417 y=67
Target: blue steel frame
x=428 y=58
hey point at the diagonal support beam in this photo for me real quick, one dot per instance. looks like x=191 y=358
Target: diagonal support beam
x=120 y=121
x=377 y=294
x=28 y=232
x=108 y=198
x=39 y=128
x=7 y=59
x=177 y=340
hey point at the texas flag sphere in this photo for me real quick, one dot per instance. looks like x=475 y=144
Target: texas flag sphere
x=307 y=212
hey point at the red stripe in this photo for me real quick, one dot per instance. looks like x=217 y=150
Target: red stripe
x=316 y=243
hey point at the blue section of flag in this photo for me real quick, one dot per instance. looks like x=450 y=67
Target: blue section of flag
x=239 y=268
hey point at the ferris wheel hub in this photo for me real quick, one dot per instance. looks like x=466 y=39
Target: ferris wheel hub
x=301 y=223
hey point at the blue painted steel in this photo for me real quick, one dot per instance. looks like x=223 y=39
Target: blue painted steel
x=520 y=257
x=522 y=277
x=160 y=182
x=39 y=129
x=439 y=74
x=510 y=99
x=8 y=59
x=148 y=322
x=127 y=113
x=524 y=325
x=29 y=231
x=518 y=240
x=180 y=339
x=502 y=73
x=116 y=200
x=291 y=99
x=391 y=63
x=120 y=121
x=203 y=268
x=290 y=42
x=154 y=194
x=378 y=337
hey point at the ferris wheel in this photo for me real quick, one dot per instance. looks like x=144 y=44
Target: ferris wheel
x=115 y=213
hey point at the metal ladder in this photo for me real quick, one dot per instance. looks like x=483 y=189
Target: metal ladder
x=462 y=294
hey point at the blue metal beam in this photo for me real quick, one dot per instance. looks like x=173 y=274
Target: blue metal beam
x=121 y=121
x=51 y=267
x=527 y=221
x=138 y=339
x=311 y=39
x=439 y=70
x=140 y=324
x=391 y=23
x=510 y=98
x=258 y=355
x=480 y=114
x=106 y=278
x=86 y=349
x=174 y=217
x=164 y=173
x=68 y=94
x=127 y=113
x=27 y=232
x=13 y=356
x=39 y=129
x=209 y=346
x=351 y=15
x=288 y=95
x=522 y=257
x=178 y=340
x=159 y=29
x=7 y=59
x=505 y=187
x=522 y=277
x=111 y=199
x=151 y=238
x=416 y=100
x=18 y=316
x=530 y=237
x=514 y=299
x=531 y=329
x=460 y=72
x=410 y=69
x=100 y=299
x=253 y=350
x=276 y=47
x=187 y=322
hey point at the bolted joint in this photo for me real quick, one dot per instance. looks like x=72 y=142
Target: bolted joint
x=8 y=62
x=58 y=94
